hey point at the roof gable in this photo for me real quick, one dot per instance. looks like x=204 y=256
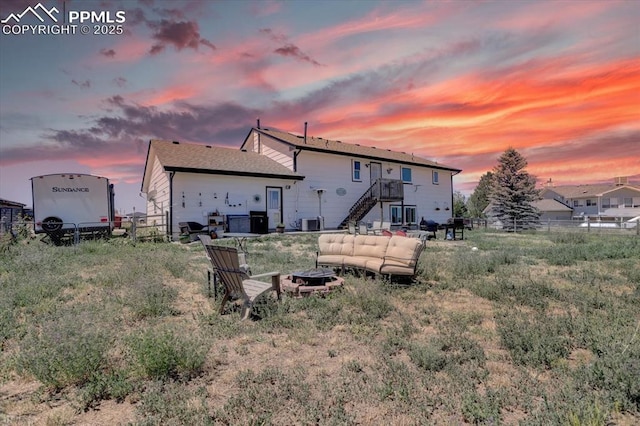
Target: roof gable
x=551 y=205
x=197 y=158
x=342 y=148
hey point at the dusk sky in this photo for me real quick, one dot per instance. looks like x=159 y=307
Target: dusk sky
x=457 y=82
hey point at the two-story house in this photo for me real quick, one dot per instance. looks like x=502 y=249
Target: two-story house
x=618 y=200
x=302 y=181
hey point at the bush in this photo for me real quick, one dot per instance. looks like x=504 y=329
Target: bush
x=536 y=343
x=162 y=355
x=65 y=352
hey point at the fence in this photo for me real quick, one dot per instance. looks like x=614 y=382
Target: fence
x=148 y=228
x=549 y=225
x=151 y=228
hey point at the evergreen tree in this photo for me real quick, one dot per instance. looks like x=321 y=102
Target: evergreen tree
x=479 y=199
x=459 y=205
x=514 y=191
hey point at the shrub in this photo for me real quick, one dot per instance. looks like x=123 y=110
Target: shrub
x=162 y=355
x=65 y=352
x=429 y=357
x=149 y=297
x=537 y=343
x=105 y=385
x=169 y=403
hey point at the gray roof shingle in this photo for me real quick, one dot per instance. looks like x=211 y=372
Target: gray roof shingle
x=217 y=160
x=584 y=191
x=332 y=146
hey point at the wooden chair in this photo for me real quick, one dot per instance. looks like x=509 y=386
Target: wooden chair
x=211 y=275
x=236 y=282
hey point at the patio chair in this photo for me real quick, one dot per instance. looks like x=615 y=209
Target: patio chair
x=211 y=275
x=193 y=230
x=236 y=282
x=362 y=228
x=351 y=228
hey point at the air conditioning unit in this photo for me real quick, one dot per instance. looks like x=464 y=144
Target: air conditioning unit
x=310 y=224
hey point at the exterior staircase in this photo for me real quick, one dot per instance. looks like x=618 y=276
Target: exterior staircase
x=381 y=190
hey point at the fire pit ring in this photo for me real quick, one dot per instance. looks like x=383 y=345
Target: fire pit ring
x=311 y=281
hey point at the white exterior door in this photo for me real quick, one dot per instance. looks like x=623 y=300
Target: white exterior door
x=376 y=171
x=274 y=206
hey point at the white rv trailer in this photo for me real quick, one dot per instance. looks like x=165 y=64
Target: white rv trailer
x=66 y=203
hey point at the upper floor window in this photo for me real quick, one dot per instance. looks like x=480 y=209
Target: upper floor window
x=356 y=171
x=435 y=178
x=628 y=202
x=577 y=203
x=406 y=175
x=591 y=203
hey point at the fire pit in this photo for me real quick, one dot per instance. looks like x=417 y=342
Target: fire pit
x=304 y=283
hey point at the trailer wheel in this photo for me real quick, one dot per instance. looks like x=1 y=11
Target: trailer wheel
x=52 y=224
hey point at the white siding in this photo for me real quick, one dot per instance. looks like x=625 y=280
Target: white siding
x=159 y=183
x=275 y=150
x=332 y=172
x=196 y=195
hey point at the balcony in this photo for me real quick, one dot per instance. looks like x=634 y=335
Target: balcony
x=388 y=190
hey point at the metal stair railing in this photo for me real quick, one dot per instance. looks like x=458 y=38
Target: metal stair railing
x=361 y=207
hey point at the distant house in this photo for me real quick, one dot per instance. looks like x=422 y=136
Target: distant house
x=553 y=210
x=618 y=200
x=302 y=181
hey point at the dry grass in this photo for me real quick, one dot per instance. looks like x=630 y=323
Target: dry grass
x=435 y=352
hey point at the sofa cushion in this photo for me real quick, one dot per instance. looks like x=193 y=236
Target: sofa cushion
x=374 y=265
x=395 y=268
x=331 y=259
x=370 y=246
x=403 y=250
x=359 y=262
x=336 y=244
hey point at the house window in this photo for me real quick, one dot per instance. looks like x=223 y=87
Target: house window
x=591 y=203
x=435 y=178
x=628 y=202
x=396 y=215
x=356 y=175
x=409 y=215
x=406 y=175
x=636 y=201
x=577 y=203
x=606 y=203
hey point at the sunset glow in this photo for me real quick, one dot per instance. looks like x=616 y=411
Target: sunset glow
x=455 y=82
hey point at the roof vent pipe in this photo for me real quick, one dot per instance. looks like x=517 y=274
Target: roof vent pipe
x=305 y=132
x=258 y=120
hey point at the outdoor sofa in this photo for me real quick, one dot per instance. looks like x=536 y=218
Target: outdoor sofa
x=382 y=255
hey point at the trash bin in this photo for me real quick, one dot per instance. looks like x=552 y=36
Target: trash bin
x=259 y=222
x=239 y=223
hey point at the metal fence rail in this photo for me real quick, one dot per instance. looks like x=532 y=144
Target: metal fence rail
x=550 y=225
x=149 y=228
